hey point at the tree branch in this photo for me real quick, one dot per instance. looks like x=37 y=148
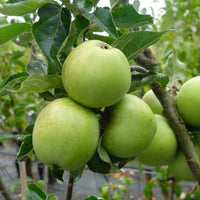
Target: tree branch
x=146 y=59
x=5 y=191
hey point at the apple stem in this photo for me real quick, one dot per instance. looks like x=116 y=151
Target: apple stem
x=105 y=46
x=146 y=59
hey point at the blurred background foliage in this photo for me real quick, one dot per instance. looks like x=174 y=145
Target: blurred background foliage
x=17 y=110
x=182 y=17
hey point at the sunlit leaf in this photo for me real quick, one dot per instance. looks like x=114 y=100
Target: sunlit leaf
x=131 y=44
x=8 y=32
x=102 y=17
x=22 y=7
x=127 y=17
x=175 y=69
x=34 y=192
x=40 y=83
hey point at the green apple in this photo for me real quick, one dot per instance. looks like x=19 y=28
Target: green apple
x=188 y=102
x=96 y=74
x=65 y=134
x=155 y=105
x=130 y=128
x=163 y=148
x=179 y=167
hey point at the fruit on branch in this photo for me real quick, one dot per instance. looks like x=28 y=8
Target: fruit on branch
x=180 y=169
x=163 y=147
x=65 y=134
x=155 y=105
x=96 y=74
x=188 y=102
x=130 y=127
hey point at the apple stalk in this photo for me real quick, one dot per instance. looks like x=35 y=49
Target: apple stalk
x=146 y=59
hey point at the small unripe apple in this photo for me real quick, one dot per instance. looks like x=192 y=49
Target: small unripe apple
x=130 y=128
x=188 y=102
x=163 y=147
x=155 y=105
x=65 y=134
x=96 y=74
x=179 y=167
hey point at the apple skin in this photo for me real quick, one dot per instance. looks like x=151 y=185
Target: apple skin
x=179 y=167
x=188 y=102
x=163 y=147
x=130 y=128
x=95 y=76
x=65 y=134
x=155 y=105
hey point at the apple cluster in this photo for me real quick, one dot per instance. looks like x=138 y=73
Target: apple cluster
x=96 y=76
x=188 y=105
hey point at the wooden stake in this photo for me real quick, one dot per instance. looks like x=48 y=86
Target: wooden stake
x=22 y=171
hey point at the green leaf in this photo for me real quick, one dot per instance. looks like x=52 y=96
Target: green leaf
x=37 y=66
x=148 y=188
x=14 y=76
x=106 y=158
x=57 y=172
x=28 y=130
x=56 y=20
x=127 y=17
x=85 y=5
x=131 y=44
x=34 y=192
x=22 y=7
x=4 y=137
x=17 y=182
x=102 y=17
x=8 y=32
x=40 y=83
x=13 y=82
x=52 y=197
x=188 y=197
x=121 y=162
x=136 y=4
x=123 y=188
x=25 y=37
x=197 y=193
x=76 y=174
x=47 y=96
x=101 y=161
x=114 y=3
x=141 y=80
x=26 y=147
x=175 y=69
x=97 y=165
x=104 y=191
x=107 y=39
x=177 y=190
x=116 y=195
x=126 y=180
x=77 y=29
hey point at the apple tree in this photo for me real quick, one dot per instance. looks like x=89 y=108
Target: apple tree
x=55 y=30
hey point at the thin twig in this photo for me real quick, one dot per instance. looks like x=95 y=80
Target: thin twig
x=4 y=190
